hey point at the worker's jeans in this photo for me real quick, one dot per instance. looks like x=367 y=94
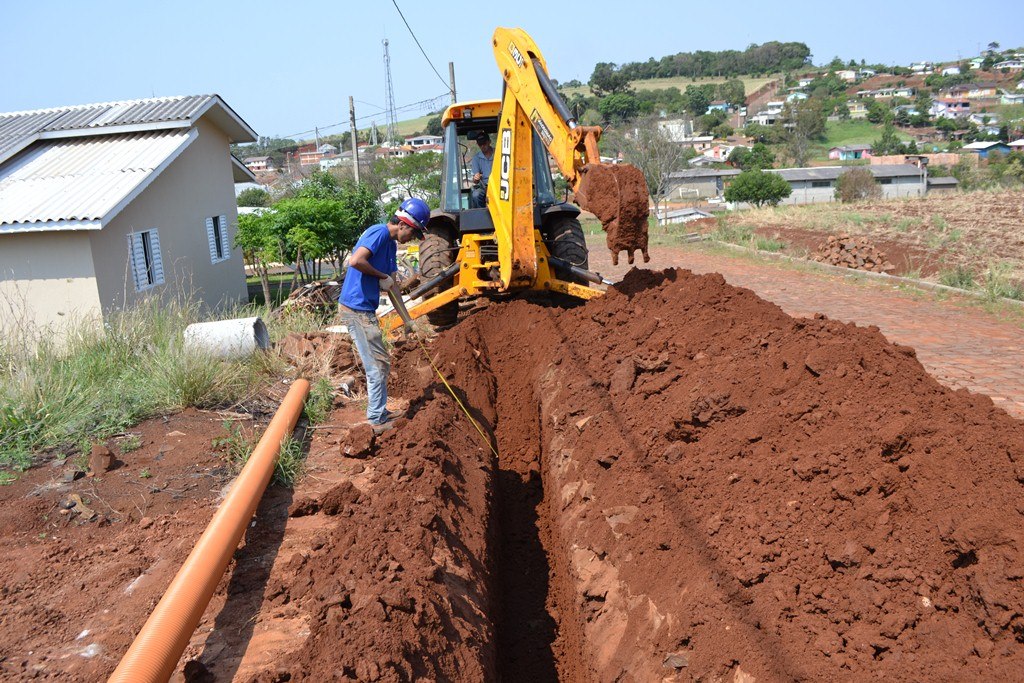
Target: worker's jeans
x=369 y=342
x=478 y=197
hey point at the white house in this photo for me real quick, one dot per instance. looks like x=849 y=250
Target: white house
x=1011 y=98
x=424 y=140
x=848 y=75
x=1011 y=64
x=102 y=205
x=951 y=71
x=769 y=114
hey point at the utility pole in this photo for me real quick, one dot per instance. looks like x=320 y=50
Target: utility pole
x=355 y=137
x=451 y=79
x=392 y=131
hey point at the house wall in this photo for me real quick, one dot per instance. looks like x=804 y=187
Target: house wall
x=47 y=280
x=804 y=193
x=938 y=159
x=197 y=185
x=691 y=188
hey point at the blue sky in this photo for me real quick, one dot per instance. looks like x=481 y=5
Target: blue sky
x=287 y=67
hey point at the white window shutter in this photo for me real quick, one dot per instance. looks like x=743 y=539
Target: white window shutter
x=137 y=259
x=225 y=243
x=158 y=261
x=211 y=238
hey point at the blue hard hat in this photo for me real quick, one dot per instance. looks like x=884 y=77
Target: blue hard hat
x=416 y=210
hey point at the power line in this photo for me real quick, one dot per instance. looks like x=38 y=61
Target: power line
x=395 y=3
x=428 y=104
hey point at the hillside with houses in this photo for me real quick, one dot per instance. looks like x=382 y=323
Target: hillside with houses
x=944 y=118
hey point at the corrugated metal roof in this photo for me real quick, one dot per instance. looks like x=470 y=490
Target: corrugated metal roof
x=798 y=174
x=103 y=114
x=705 y=173
x=21 y=128
x=833 y=172
x=82 y=182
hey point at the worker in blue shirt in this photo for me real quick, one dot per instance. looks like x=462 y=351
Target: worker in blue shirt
x=480 y=167
x=373 y=268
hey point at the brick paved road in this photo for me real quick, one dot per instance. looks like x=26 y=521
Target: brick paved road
x=962 y=346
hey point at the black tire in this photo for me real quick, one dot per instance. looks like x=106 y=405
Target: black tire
x=565 y=241
x=437 y=252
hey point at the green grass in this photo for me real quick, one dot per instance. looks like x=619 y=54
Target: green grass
x=320 y=401
x=130 y=443
x=749 y=83
x=238 y=446
x=959 y=277
x=997 y=284
x=96 y=382
x=851 y=132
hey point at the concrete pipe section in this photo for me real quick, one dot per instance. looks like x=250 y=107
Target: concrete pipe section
x=228 y=338
x=158 y=646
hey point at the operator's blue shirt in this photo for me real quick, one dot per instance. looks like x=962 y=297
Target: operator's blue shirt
x=361 y=292
x=481 y=163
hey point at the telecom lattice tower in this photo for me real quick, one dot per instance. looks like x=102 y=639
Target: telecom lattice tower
x=392 y=131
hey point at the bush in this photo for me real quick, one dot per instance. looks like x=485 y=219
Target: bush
x=758 y=188
x=959 y=277
x=857 y=184
x=254 y=196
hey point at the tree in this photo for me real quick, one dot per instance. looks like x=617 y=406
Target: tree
x=802 y=123
x=607 y=79
x=722 y=131
x=434 y=125
x=254 y=196
x=697 y=98
x=416 y=175
x=259 y=248
x=857 y=184
x=709 y=121
x=319 y=185
x=618 y=106
x=878 y=112
x=758 y=156
x=759 y=188
x=649 y=148
x=889 y=143
x=733 y=92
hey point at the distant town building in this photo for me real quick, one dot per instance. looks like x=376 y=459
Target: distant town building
x=850 y=152
x=424 y=140
x=259 y=164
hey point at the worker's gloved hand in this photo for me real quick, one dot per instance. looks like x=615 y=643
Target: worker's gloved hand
x=387 y=283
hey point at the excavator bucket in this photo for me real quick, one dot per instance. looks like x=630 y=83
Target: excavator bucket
x=617 y=194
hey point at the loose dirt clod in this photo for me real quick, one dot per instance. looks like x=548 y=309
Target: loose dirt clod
x=617 y=195
x=100 y=459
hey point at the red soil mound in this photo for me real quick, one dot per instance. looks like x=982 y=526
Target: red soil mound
x=691 y=485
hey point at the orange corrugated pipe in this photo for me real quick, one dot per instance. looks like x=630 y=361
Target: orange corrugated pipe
x=156 y=650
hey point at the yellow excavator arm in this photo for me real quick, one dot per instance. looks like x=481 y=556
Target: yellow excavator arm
x=530 y=106
x=526 y=76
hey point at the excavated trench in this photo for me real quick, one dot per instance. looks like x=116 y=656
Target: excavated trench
x=689 y=485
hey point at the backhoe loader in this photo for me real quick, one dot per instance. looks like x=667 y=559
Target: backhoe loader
x=524 y=238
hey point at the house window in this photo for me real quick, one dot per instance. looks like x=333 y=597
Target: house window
x=885 y=181
x=821 y=183
x=145 y=258
x=217 y=238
